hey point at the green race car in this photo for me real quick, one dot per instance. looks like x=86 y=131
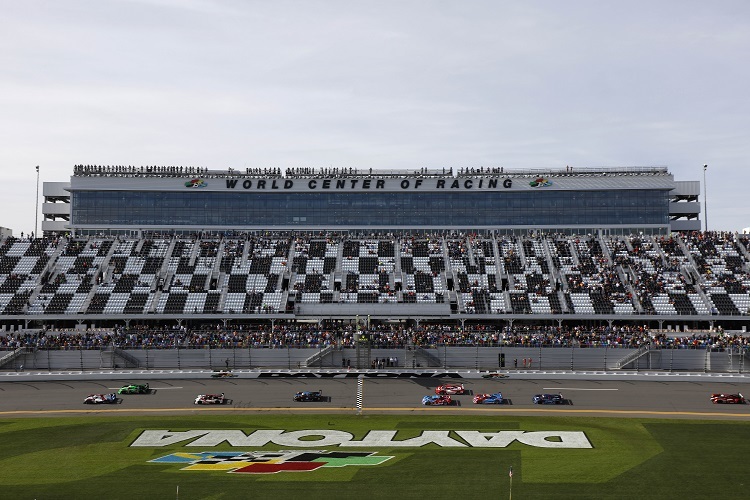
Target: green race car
x=134 y=389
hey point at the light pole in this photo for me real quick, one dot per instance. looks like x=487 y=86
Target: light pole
x=705 y=199
x=36 y=216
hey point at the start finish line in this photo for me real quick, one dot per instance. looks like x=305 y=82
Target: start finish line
x=376 y=438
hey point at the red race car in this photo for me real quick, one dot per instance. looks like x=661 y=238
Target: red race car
x=450 y=389
x=728 y=398
x=489 y=399
x=437 y=401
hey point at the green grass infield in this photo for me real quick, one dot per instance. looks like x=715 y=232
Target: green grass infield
x=113 y=457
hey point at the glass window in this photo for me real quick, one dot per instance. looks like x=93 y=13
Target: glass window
x=438 y=210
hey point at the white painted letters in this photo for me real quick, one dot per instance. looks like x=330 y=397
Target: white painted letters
x=374 y=439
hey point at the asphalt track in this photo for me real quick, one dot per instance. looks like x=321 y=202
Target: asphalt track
x=617 y=398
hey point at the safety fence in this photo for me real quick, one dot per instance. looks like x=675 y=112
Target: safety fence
x=508 y=358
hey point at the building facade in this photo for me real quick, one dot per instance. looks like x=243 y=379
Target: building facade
x=130 y=200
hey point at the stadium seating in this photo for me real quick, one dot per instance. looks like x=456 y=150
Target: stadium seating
x=694 y=275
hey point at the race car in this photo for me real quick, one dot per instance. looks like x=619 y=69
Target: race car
x=494 y=375
x=134 y=389
x=210 y=399
x=101 y=399
x=548 y=399
x=450 y=389
x=309 y=396
x=489 y=399
x=223 y=374
x=737 y=399
x=437 y=400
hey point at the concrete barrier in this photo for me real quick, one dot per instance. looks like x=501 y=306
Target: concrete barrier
x=45 y=376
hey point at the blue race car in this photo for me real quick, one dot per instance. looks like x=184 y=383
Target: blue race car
x=489 y=399
x=437 y=400
x=548 y=399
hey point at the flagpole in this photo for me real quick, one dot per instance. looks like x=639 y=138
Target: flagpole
x=705 y=200
x=510 y=490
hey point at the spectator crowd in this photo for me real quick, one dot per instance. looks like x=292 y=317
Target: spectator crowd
x=379 y=336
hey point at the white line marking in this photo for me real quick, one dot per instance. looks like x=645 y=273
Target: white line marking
x=574 y=389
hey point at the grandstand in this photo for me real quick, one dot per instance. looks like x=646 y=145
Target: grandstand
x=158 y=258
x=695 y=279
x=191 y=246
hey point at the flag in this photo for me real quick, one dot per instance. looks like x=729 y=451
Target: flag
x=510 y=472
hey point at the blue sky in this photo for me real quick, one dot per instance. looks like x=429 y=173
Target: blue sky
x=386 y=84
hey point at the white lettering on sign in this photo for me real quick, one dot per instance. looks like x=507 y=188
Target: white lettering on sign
x=365 y=184
x=383 y=439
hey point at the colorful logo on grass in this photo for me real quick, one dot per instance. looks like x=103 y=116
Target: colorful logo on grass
x=540 y=182
x=196 y=183
x=270 y=462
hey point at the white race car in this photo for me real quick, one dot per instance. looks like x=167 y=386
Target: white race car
x=211 y=399
x=450 y=389
x=101 y=399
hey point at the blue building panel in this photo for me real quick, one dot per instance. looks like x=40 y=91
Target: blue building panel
x=343 y=210
x=169 y=199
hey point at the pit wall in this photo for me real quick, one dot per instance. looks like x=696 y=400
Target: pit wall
x=510 y=359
